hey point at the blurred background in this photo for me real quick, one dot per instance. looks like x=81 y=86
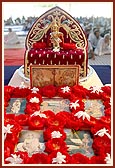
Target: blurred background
x=21 y=15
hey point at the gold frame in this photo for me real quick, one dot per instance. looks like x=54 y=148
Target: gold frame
x=42 y=75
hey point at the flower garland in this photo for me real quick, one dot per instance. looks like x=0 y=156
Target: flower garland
x=53 y=125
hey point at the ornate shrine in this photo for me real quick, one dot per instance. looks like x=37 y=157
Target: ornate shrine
x=41 y=48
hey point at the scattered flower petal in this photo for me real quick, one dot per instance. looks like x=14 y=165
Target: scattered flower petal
x=56 y=134
x=59 y=158
x=103 y=132
x=66 y=89
x=74 y=105
x=96 y=89
x=34 y=100
x=83 y=115
x=38 y=113
x=108 y=159
x=34 y=90
x=14 y=159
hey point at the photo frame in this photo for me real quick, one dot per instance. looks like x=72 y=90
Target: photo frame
x=30 y=141
x=94 y=107
x=16 y=106
x=79 y=141
x=42 y=75
x=56 y=105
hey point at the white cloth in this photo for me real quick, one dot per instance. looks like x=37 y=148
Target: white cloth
x=93 y=39
x=93 y=80
x=11 y=38
x=90 y=50
x=89 y=47
x=102 y=48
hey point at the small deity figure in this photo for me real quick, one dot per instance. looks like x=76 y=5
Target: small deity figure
x=56 y=37
x=87 y=145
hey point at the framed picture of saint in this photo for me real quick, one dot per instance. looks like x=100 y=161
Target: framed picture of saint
x=30 y=141
x=16 y=106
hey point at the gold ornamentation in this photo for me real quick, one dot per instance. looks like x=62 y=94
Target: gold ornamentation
x=43 y=26
x=62 y=19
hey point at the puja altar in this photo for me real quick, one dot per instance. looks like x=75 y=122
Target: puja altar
x=56 y=110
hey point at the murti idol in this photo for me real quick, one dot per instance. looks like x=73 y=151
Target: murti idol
x=56 y=36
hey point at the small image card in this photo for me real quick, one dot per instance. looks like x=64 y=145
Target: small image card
x=55 y=105
x=79 y=142
x=31 y=141
x=94 y=108
x=66 y=76
x=43 y=75
x=16 y=106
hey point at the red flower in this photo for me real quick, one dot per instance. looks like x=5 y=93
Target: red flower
x=9 y=117
x=55 y=145
x=56 y=121
x=39 y=45
x=8 y=90
x=36 y=123
x=22 y=119
x=48 y=133
x=6 y=99
x=107 y=111
x=31 y=108
x=97 y=160
x=49 y=114
x=39 y=158
x=63 y=93
x=78 y=158
x=101 y=145
x=21 y=92
x=106 y=120
x=49 y=91
x=71 y=121
x=16 y=127
x=12 y=137
x=79 y=91
x=8 y=148
x=88 y=123
x=107 y=90
x=107 y=104
x=5 y=103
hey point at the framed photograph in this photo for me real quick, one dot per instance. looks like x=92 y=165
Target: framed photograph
x=55 y=104
x=79 y=142
x=16 y=106
x=94 y=108
x=31 y=141
x=42 y=75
